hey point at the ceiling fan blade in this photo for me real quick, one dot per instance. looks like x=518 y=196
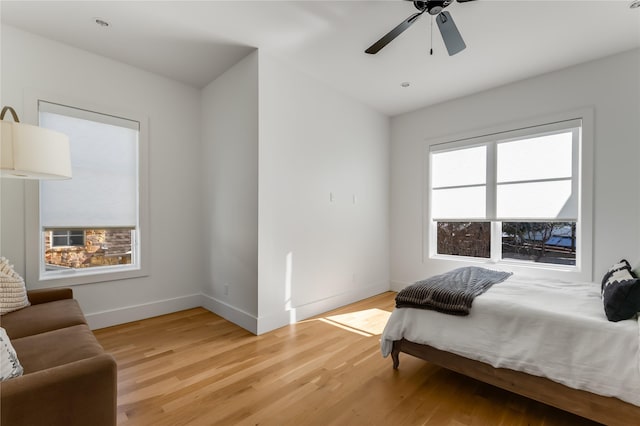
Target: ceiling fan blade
x=450 y=34
x=464 y=1
x=388 y=38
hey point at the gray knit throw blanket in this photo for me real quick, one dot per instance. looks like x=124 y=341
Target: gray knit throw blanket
x=452 y=292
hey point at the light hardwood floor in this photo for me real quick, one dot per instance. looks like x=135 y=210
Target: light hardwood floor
x=195 y=368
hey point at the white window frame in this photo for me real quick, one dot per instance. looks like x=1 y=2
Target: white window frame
x=34 y=231
x=582 y=165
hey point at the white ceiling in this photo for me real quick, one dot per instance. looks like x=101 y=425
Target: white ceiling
x=196 y=41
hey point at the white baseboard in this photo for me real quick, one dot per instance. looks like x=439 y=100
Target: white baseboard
x=230 y=313
x=237 y=316
x=146 y=310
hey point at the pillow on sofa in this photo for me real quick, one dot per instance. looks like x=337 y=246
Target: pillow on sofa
x=9 y=365
x=621 y=292
x=13 y=293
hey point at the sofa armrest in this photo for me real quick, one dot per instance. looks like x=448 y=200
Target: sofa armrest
x=80 y=393
x=45 y=295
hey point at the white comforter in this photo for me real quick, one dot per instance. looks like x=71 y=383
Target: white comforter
x=551 y=329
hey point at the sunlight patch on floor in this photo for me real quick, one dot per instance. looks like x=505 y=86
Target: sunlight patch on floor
x=369 y=322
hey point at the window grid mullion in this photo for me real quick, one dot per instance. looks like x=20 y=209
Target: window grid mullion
x=496 y=241
x=491 y=180
x=575 y=164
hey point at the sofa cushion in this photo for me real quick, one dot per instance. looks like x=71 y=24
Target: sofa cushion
x=57 y=347
x=43 y=317
x=9 y=365
x=13 y=293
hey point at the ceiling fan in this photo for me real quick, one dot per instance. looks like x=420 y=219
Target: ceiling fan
x=450 y=34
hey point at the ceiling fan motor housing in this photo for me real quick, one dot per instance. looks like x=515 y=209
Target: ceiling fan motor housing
x=432 y=6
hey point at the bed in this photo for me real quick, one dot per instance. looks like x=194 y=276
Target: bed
x=546 y=340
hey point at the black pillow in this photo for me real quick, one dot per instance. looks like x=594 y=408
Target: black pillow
x=621 y=292
x=623 y=264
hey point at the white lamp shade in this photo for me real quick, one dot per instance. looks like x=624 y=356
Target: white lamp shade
x=32 y=152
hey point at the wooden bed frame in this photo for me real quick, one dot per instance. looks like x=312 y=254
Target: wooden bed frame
x=607 y=410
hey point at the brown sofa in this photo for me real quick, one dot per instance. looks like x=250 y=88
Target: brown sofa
x=68 y=379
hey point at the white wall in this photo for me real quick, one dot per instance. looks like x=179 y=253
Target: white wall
x=276 y=143
x=241 y=177
x=230 y=197
x=611 y=86
x=316 y=254
x=32 y=63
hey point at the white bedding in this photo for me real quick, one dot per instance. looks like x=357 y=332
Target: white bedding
x=556 y=330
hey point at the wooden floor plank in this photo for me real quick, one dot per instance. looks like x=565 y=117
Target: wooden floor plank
x=194 y=368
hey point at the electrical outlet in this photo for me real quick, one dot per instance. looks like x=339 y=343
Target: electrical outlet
x=226 y=289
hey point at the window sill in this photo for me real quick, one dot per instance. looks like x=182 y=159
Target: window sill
x=72 y=277
x=530 y=269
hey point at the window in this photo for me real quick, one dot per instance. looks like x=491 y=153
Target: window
x=90 y=225
x=87 y=248
x=510 y=196
x=66 y=237
x=471 y=239
x=547 y=242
